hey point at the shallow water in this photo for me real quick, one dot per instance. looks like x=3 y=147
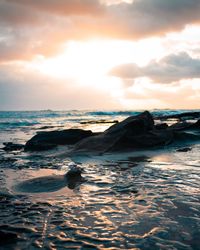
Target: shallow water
x=138 y=200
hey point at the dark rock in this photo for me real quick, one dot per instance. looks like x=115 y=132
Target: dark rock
x=9 y=146
x=51 y=183
x=183 y=149
x=99 y=143
x=180 y=116
x=49 y=140
x=181 y=126
x=150 y=139
x=141 y=158
x=133 y=125
x=196 y=125
x=133 y=133
x=185 y=136
x=73 y=177
x=99 y=122
x=186 y=126
x=34 y=146
x=46 y=127
x=74 y=172
x=161 y=126
x=7 y=237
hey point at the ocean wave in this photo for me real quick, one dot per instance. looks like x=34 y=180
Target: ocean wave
x=82 y=113
x=49 y=117
x=18 y=124
x=37 y=114
x=112 y=113
x=172 y=111
x=155 y=112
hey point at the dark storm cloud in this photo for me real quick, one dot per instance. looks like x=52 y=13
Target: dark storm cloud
x=171 y=68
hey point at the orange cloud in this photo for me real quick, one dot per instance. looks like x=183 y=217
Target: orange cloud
x=180 y=95
x=63 y=7
x=41 y=27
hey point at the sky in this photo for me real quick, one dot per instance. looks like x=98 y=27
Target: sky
x=99 y=54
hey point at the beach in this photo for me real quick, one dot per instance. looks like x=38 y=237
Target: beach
x=146 y=198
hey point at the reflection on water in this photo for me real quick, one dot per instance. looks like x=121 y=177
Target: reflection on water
x=143 y=202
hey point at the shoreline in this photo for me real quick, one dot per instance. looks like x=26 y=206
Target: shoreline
x=137 y=199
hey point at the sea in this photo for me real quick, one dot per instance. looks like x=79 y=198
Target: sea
x=145 y=199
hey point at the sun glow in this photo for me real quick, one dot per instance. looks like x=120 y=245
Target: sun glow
x=89 y=60
x=83 y=60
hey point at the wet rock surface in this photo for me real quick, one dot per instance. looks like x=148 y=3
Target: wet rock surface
x=49 y=140
x=184 y=149
x=135 y=132
x=103 y=121
x=133 y=125
x=140 y=199
x=9 y=146
x=186 y=125
x=161 y=126
x=153 y=205
x=138 y=132
x=182 y=115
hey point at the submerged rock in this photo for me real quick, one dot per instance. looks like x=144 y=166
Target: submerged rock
x=184 y=149
x=51 y=183
x=51 y=139
x=9 y=146
x=184 y=115
x=186 y=125
x=102 y=121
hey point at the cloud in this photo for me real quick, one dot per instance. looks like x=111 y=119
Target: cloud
x=137 y=18
x=21 y=89
x=47 y=24
x=31 y=28
x=13 y=14
x=30 y=13
x=182 y=95
x=169 y=69
x=62 y=7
